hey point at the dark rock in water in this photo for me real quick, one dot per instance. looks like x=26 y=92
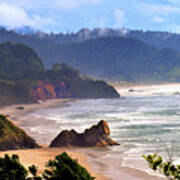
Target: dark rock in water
x=97 y=135
x=131 y=90
x=12 y=137
x=20 y=108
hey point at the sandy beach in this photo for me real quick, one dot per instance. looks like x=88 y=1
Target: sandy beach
x=40 y=157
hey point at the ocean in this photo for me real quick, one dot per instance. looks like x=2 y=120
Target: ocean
x=144 y=121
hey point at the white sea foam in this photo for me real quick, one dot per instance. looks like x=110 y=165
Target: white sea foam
x=143 y=122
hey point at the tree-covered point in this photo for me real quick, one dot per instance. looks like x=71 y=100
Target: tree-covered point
x=61 y=72
x=61 y=168
x=21 y=70
x=78 y=86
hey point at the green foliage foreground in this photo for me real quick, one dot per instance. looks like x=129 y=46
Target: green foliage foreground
x=61 y=168
x=167 y=168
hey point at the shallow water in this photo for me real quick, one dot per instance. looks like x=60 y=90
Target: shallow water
x=140 y=123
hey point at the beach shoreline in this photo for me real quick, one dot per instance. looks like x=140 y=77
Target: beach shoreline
x=16 y=114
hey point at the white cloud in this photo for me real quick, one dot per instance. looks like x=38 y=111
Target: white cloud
x=39 y=14
x=119 y=18
x=13 y=16
x=158 y=19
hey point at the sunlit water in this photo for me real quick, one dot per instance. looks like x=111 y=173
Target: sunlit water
x=140 y=123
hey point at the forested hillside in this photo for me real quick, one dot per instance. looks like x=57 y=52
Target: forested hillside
x=119 y=59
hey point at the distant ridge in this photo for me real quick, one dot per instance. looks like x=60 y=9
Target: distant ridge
x=24 y=30
x=114 y=54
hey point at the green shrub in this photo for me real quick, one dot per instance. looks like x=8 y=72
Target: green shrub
x=12 y=169
x=167 y=168
x=61 y=168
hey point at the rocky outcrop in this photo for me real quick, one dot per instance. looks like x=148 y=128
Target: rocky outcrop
x=12 y=137
x=97 y=135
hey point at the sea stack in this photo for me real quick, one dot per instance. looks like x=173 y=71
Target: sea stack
x=96 y=136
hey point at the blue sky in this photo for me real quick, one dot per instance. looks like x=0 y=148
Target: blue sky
x=72 y=15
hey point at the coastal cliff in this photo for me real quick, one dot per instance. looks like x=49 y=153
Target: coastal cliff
x=98 y=135
x=44 y=91
x=82 y=89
